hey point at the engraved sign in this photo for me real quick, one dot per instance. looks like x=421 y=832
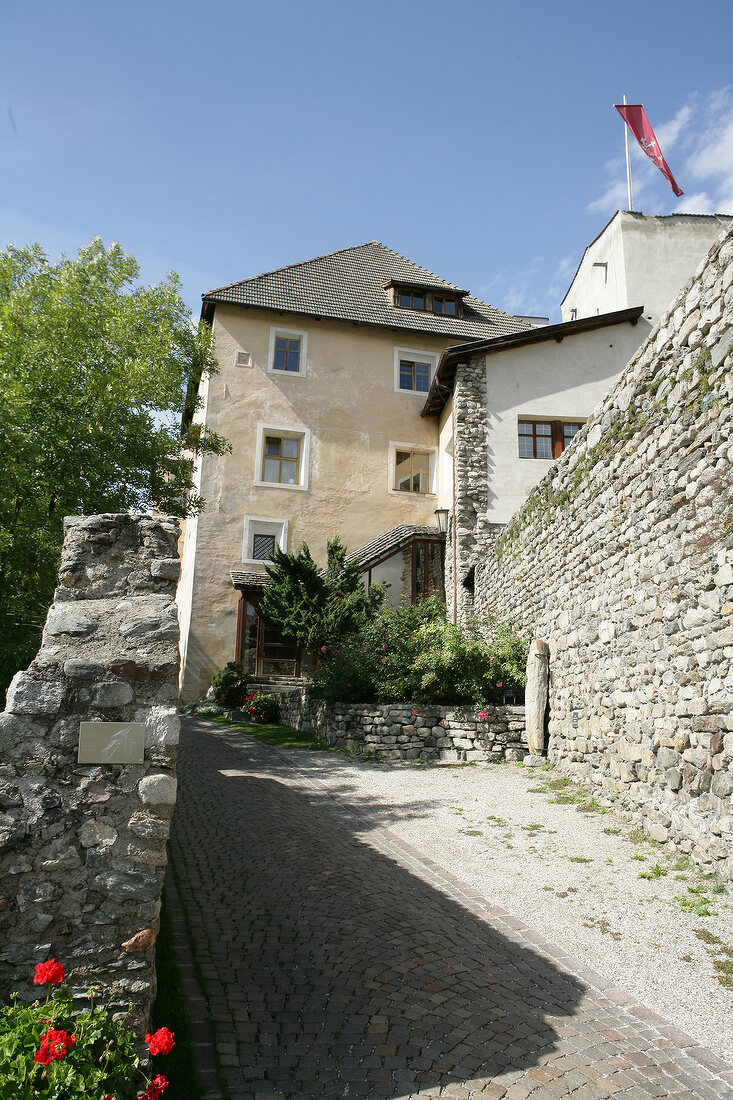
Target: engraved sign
x=111 y=742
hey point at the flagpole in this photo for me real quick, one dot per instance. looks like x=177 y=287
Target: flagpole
x=628 y=164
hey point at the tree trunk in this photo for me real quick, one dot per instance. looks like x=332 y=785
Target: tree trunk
x=535 y=696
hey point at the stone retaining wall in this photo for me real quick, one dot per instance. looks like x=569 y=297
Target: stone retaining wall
x=83 y=847
x=403 y=731
x=622 y=560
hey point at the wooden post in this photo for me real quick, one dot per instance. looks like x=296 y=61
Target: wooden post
x=535 y=696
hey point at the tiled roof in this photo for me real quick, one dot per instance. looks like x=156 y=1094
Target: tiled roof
x=240 y=579
x=350 y=285
x=390 y=542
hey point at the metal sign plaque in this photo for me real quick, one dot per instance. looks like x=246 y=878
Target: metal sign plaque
x=111 y=743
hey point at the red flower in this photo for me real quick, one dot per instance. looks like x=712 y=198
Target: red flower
x=55 y=1045
x=155 y=1088
x=50 y=971
x=161 y=1041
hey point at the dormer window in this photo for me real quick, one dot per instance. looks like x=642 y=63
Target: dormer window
x=424 y=300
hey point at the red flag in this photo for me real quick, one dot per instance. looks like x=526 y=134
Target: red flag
x=635 y=118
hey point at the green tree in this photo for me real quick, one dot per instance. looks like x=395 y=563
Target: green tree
x=98 y=387
x=314 y=607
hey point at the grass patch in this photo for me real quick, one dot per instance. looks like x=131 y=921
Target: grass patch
x=696 y=904
x=472 y=832
x=611 y=832
x=170 y=1011
x=579 y=859
x=591 y=806
x=655 y=871
x=281 y=737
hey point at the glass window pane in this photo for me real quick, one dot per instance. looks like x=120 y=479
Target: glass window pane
x=450 y=307
x=526 y=449
x=401 y=457
x=417 y=301
x=293 y=355
x=290 y=448
x=543 y=429
x=525 y=429
x=423 y=384
x=272 y=445
x=570 y=431
x=420 y=483
x=405 y=377
x=544 y=447
x=279 y=362
x=272 y=469
x=280 y=343
x=290 y=473
x=405 y=300
x=420 y=462
x=437 y=304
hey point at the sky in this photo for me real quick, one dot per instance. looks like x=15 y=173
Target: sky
x=478 y=139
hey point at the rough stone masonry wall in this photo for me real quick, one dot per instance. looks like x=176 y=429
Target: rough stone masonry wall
x=83 y=848
x=622 y=559
x=400 y=731
x=471 y=488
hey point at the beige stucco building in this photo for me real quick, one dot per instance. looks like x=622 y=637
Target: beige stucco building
x=361 y=393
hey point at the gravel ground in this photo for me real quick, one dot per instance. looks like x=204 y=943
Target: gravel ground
x=569 y=870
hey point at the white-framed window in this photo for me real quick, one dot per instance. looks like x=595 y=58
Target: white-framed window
x=261 y=535
x=414 y=370
x=288 y=353
x=283 y=457
x=412 y=468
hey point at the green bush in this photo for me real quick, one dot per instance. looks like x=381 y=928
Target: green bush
x=412 y=654
x=229 y=685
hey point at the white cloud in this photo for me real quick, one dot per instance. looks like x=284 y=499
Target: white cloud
x=702 y=130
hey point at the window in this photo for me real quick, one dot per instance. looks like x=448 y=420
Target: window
x=263 y=547
x=446 y=306
x=412 y=471
x=427 y=301
x=282 y=457
x=414 y=375
x=261 y=535
x=281 y=460
x=545 y=438
x=413 y=370
x=288 y=352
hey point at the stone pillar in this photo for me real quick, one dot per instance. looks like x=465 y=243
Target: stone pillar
x=83 y=846
x=535 y=698
x=471 y=476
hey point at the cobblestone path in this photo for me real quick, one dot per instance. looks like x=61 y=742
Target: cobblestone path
x=337 y=961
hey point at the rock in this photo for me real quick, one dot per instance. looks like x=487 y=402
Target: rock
x=141 y=942
x=27 y=695
x=722 y=785
x=531 y=761
x=112 y=693
x=158 y=790
x=67 y=620
x=168 y=569
x=94 y=834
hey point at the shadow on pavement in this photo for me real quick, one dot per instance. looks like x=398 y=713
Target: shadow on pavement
x=334 y=971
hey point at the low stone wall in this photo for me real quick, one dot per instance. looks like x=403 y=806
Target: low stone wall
x=83 y=847
x=403 y=731
x=622 y=560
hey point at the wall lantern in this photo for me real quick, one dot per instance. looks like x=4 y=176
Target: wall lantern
x=441 y=515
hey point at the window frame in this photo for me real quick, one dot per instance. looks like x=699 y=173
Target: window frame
x=263 y=525
x=288 y=334
x=283 y=431
x=556 y=436
x=413 y=355
x=413 y=448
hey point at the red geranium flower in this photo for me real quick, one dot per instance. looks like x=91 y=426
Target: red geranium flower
x=50 y=971
x=161 y=1041
x=155 y=1088
x=55 y=1045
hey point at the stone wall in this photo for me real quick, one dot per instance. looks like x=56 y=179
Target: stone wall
x=83 y=847
x=622 y=559
x=471 y=488
x=403 y=731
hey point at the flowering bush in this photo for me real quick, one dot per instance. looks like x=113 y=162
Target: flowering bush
x=259 y=707
x=49 y=1051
